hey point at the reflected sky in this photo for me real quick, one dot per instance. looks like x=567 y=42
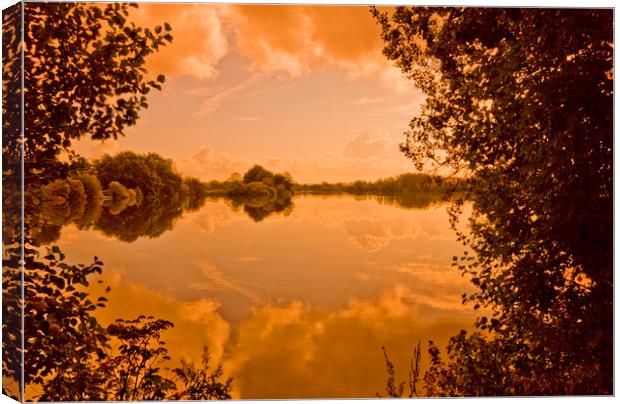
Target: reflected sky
x=295 y=306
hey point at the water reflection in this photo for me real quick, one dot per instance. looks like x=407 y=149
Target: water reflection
x=293 y=306
x=300 y=351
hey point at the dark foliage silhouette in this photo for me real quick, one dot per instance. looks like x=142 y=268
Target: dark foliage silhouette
x=70 y=356
x=520 y=101
x=84 y=75
x=85 y=64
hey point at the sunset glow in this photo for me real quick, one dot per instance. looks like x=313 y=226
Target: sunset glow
x=303 y=89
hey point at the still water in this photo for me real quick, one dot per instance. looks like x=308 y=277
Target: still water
x=293 y=306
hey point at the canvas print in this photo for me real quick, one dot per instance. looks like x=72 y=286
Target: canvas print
x=227 y=201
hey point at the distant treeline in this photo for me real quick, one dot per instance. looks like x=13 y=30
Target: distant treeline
x=256 y=182
x=404 y=184
x=130 y=195
x=259 y=191
x=125 y=196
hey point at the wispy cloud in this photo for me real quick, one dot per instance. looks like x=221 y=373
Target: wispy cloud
x=368 y=100
x=215 y=278
x=212 y=103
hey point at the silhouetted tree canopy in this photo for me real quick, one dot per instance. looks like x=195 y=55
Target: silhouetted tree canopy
x=70 y=356
x=260 y=192
x=256 y=174
x=407 y=190
x=161 y=190
x=84 y=74
x=520 y=101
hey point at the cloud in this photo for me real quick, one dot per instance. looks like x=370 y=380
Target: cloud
x=247 y=259
x=372 y=226
x=296 y=350
x=199 y=38
x=295 y=40
x=370 y=154
x=372 y=142
x=213 y=215
x=216 y=280
x=197 y=323
x=374 y=235
x=280 y=39
x=368 y=100
x=212 y=103
x=96 y=148
x=206 y=164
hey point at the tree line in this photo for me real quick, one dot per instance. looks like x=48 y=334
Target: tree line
x=126 y=196
x=130 y=195
x=411 y=190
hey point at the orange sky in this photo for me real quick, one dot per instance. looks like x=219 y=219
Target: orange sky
x=303 y=89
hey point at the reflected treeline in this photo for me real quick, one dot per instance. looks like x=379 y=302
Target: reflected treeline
x=128 y=196
x=412 y=190
x=259 y=192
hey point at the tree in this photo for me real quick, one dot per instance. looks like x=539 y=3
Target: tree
x=520 y=101
x=70 y=356
x=199 y=384
x=160 y=194
x=256 y=174
x=94 y=200
x=197 y=193
x=84 y=74
x=118 y=197
x=77 y=199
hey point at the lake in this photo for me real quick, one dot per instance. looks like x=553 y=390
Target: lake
x=294 y=306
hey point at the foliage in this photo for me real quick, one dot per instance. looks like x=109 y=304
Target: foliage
x=258 y=209
x=199 y=384
x=257 y=181
x=404 y=184
x=94 y=200
x=520 y=100
x=261 y=193
x=196 y=194
x=84 y=74
x=61 y=334
x=397 y=390
x=134 y=371
x=119 y=210
x=160 y=194
x=11 y=87
x=406 y=190
x=77 y=199
x=63 y=201
x=256 y=174
x=118 y=197
x=70 y=356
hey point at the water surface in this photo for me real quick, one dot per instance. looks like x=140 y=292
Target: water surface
x=293 y=306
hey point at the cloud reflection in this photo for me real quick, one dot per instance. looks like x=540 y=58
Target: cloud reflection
x=300 y=351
